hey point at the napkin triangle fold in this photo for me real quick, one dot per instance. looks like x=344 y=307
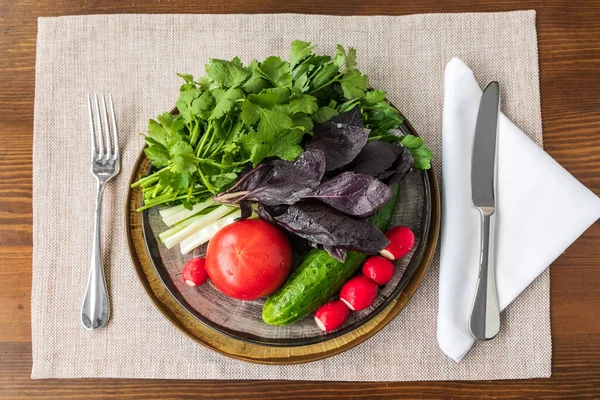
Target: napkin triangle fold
x=541 y=210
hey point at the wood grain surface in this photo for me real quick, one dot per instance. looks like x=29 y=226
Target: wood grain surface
x=569 y=50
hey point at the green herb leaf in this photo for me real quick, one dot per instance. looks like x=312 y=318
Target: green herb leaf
x=224 y=101
x=354 y=84
x=222 y=180
x=300 y=50
x=303 y=121
x=270 y=97
x=186 y=77
x=301 y=83
x=227 y=73
x=418 y=150
x=180 y=181
x=277 y=72
x=304 y=104
x=272 y=123
x=324 y=114
x=340 y=57
x=324 y=75
x=250 y=112
x=287 y=146
x=159 y=155
x=381 y=116
x=351 y=59
x=256 y=83
x=373 y=97
x=184 y=103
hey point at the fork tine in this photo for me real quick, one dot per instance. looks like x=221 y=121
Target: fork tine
x=114 y=127
x=99 y=126
x=92 y=133
x=106 y=129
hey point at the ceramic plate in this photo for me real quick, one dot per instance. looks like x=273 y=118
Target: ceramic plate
x=235 y=327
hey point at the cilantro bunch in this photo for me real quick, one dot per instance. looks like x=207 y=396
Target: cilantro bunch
x=236 y=116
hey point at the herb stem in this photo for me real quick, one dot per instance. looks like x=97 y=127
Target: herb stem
x=227 y=196
x=203 y=140
x=195 y=132
x=210 y=142
x=146 y=180
x=335 y=79
x=205 y=181
x=155 y=192
x=167 y=199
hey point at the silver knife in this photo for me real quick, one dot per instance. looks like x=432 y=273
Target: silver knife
x=485 y=315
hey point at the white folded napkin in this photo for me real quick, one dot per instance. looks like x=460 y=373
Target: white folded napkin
x=541 y=209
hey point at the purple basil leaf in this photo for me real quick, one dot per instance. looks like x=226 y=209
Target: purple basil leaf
x=351 y=117
x=353 y=194
x=322 y=224
x=251 y=178
x=340 y=142
x=337 y=253
x=287 y=181
x=246 y=209
x=268 y=213
x=401 y=167
x=375 y=158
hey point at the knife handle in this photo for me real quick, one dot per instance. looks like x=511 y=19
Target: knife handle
x=485 y=316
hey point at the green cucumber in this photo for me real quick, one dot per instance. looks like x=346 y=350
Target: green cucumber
x=319 y=277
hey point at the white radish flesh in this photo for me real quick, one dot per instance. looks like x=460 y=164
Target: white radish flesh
x=199 y=224
x=204 y=235
x=185 y=214
x=165 y=212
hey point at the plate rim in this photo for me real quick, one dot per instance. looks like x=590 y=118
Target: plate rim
x=220 y=342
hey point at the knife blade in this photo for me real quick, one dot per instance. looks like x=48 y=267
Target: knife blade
x=484 y=323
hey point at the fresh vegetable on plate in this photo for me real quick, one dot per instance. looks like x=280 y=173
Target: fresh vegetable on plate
x=237 y=115
x=359 y=292
x=306 y=146
x=402 y=240
x=194 y=272
x=319 y=277
x=248 y=259
x=331 y=315
x=326 y=208
x=380 y=269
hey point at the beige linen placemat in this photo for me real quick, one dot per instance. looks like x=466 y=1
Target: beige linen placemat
x=135 y=57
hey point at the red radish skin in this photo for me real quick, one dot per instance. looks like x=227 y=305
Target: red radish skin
x=402 y=240
x=380 y=269
x=359 y=292
x=194 y=272
x=331 y=315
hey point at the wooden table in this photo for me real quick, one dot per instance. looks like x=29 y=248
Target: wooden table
x=569 y=50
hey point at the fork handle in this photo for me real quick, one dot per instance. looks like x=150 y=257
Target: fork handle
x=96 y=309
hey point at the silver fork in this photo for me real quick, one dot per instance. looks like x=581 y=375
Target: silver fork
x=105 y=166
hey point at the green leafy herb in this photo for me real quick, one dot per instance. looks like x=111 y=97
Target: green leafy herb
x=239 y=115
x=418 y=150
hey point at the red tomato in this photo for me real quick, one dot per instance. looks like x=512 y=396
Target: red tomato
x=248 y=259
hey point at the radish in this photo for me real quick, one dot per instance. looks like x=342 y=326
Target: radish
x=331 y=315
x=402 y=240
x=359 y=292
x=380 y=269
x=194 y=273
